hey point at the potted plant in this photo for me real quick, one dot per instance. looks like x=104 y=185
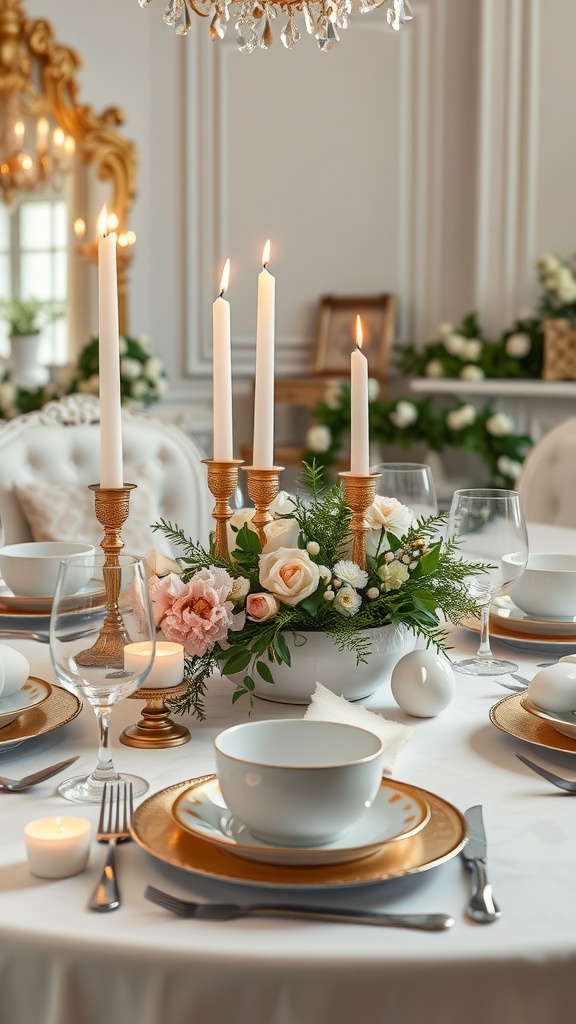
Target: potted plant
x=26 y=318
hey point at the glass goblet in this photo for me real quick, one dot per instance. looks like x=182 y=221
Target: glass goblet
x=97 y=609
x=488 y=526
x=411 y=483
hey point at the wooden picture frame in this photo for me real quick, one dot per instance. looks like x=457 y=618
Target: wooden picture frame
x=559 y=350
x=336 y=333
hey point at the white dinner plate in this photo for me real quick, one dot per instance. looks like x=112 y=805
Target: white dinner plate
x=10 y=602
x=33 y=693
x=396 y=813
x=563 y=721
x=558 y=645
x=504 y=612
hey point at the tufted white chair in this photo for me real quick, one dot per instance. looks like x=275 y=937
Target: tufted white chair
x=60 y=444
x=547 y=482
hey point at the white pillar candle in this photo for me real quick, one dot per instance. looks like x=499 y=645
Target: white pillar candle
x=57 y=847
x=111 y=472
x=222 y=375
x=167 y=667
x=263 y=446
x=359 y=432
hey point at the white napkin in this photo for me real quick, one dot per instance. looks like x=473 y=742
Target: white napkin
x=326 y=706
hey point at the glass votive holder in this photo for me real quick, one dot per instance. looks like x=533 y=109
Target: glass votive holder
x=57 y=847
x=167 y=668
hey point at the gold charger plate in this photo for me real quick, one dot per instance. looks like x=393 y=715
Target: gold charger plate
x=552 y=644
x=155 y=830
x=58 y=709
x=509 y=716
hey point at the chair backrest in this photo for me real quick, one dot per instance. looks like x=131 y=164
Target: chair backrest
x=547 y=483
x=47 y=458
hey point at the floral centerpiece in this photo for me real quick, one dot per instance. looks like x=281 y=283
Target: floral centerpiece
x=234 y=616
x=143 y=379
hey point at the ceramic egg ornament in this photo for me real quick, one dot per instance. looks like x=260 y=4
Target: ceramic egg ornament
x=554 y=688
x=423 y=683
x=14 y=670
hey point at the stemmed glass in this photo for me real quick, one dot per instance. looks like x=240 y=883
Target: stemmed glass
x=97 y=609
x=411 y=483
x=488 y=526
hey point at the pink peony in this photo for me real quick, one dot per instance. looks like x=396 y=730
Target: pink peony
x=196 y=614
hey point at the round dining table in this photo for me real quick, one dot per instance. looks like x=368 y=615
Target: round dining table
x=61 y=963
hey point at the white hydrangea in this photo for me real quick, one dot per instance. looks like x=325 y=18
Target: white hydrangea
x=499 y=425
x=458 y=419
x=152 y=369
x=471 y=372
x=472 y=350
x=455 y=344
x=131 y=369
x=565 y=285
x=434 y=368
x=138 y=389
x=319 y=438
x=548 y=263
x=518 y=345
x=404 y=414
x=509 y=467
x=144 y=342
x=444 y=329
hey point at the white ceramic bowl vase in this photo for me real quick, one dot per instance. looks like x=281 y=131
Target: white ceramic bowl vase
x=298 y=782
x=316 y=659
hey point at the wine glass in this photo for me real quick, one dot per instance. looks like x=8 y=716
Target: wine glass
x=488 y=526
x=411 y=483
x=97 y=609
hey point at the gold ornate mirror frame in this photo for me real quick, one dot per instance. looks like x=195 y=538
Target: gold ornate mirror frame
x=43 y=72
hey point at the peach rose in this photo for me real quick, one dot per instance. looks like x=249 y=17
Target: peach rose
x=289 y=574
x=261 y=607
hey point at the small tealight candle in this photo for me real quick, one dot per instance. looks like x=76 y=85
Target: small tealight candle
x=57 y=847
x=167 y=668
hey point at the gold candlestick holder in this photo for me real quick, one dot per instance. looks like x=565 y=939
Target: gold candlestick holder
x=263 y=486
x=111 y=505
x=156 y=729
x=359 y=492
x=222 y=482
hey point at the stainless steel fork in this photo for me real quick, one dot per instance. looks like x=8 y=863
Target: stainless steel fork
x=228 y=911
x=113 y=827
x=568 y=785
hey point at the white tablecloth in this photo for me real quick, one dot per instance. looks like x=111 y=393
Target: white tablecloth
x=62 y=964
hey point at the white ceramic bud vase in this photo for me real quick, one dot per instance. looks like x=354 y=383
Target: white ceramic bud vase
x=27 y=371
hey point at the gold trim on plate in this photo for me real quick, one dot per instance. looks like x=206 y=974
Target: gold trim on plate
x=58 y=709
x=509 y=716
x=155 y=830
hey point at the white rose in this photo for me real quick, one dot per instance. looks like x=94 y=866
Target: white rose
x=390 y=514
x=566 y=287
x=282 y=504
x=347 y=601
x=240 y=588
x=472 y=372
x=130 y=368
x=434 y=368
x=404 y=414
x=548 y=263
x=351 y=573
x=518 y=345
x=393 y=575
x=472 y=350
x=242 y=517
x=289 y=574
x=319 y=438
x=281 y=533
x=455 y=344
x=499 y=425
x=152 y=368
x=457 y=419
x=373 y=389
x=138 y=389
x=445 y=329
x=509 y=467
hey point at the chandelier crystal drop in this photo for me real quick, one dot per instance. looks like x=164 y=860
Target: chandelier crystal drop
x=322 y=19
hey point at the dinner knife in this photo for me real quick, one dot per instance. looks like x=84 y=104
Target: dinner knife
x=482 y=906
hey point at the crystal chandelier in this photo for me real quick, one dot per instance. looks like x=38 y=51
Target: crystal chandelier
x=33 y=152
x=323 y=19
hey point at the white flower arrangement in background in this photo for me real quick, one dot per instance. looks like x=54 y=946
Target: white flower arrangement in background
x=143 y=379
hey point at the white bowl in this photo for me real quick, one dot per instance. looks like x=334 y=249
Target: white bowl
x=14 y=670
x=547 y=587
x=31 y=569
x=298 y=782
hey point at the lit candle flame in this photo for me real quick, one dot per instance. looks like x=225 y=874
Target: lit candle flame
x=113 y=222
x=359 y=332
x=103 y=226
x=58 y=137
x=79 y=227
x=225 y=278
x=266 y=254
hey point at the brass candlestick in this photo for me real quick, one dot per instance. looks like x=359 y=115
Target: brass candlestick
x=222 y=482
x=359 y=492
x=111 y=505
x=156 y=729
x=263 y=485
